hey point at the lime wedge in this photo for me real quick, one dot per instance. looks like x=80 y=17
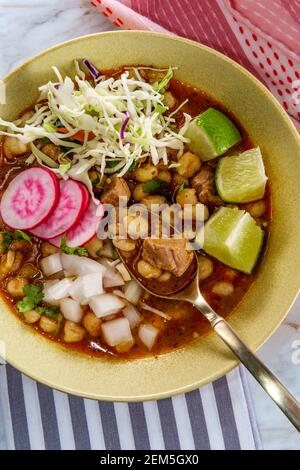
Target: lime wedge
x=241 y=178
x=211 y=134
x=232 y=236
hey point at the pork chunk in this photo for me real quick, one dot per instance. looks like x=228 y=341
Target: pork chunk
x=114 y=188
x=204 y=184
x=167 y=254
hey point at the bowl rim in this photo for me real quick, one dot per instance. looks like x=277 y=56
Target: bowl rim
x=284 y=115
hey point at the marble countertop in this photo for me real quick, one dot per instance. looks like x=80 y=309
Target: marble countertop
x=29 y=26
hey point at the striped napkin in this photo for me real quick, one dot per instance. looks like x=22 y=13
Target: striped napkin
x=33 y=416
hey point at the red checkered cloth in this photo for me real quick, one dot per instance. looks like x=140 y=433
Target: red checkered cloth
x=263 y=36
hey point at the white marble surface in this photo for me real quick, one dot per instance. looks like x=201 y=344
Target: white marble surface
x=29 y=26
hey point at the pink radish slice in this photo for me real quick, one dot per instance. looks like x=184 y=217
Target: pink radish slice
x=86 y=195
x=85 y=229
x=30 y=198
x=69 y=209
x=86 y=201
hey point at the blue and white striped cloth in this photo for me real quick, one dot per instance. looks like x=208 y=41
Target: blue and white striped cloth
x=218 y=416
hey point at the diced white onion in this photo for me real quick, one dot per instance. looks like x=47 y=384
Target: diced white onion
x=104 y=305
x=71 y=310
x=60 y=289
x=109 y=262
x=123 y=271
x=113 y=263
x=85 y=287
x=133 y=291
x=132 y=315
x=119 y=293
x=112 y=278
x=116 y=331
x=48 y=297
x=155 y=310
x=51 y=264
x=80 y=265
x=108 y=250
x=148 y=334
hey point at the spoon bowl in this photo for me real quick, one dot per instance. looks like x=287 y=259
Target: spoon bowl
x=189 y=291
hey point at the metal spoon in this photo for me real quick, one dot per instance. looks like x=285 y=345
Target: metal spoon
x=189 y=291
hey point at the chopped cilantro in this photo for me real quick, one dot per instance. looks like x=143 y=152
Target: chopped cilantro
x=6 y=241
x=49 y=310
x=158 y=186
x=112 y=163
x=33 y=296
x=32 y=300
x=9 y=236
x=182 y=186
x=44 y=141
x=133 y=166
x=96 y=180
x=70 y=250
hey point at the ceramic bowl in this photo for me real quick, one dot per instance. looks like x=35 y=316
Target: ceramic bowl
x=277 y=284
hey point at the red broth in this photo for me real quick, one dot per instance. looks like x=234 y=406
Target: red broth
x=186 y=323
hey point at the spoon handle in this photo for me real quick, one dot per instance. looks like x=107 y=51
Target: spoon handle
x=270 y=383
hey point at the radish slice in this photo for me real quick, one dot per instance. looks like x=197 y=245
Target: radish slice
x=30 y=198
x=85 y=229
x=86 y=195
x=71 y=201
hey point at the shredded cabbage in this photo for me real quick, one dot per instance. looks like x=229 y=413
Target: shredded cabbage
x=120 y=120
x=42 y=157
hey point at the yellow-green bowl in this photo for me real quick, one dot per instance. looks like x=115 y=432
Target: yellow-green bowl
x=279 y=275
